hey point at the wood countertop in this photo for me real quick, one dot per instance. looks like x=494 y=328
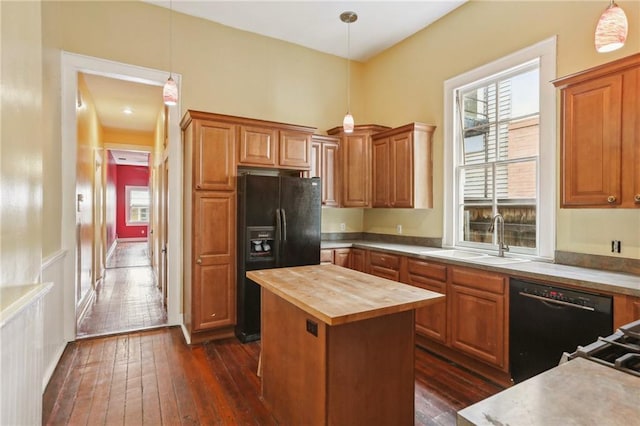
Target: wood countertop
x=578 y=392
x=337 y=295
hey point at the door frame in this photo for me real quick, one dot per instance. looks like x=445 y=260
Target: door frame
x=71 y=65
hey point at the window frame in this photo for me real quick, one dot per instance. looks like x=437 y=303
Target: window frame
x=545 y=52
x=127 y=200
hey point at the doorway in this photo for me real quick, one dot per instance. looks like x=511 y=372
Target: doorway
x=72 y=67
x=126 y=297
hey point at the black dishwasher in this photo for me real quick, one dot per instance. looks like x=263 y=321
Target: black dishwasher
x=545 y=321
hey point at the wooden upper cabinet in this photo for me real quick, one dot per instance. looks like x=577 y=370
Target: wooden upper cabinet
x=355 y=164
x=212 y=149
x=295 y=150
x=600 y=132
x=274 y=145
x=325 y=165
x=380 y=163
x=258 y=146
x=402 y=163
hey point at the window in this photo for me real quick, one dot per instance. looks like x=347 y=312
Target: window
x=500 y=154
x=137 y=204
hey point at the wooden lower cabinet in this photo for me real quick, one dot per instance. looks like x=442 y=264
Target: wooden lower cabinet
x=384 y=265
x=478 y=315
x=359 y=260
x=209 y=290
x=626 y=309
x=326 y=256
x=342 y=257
x=432 y=320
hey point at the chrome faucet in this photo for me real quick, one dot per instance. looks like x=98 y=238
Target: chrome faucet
x=502 y=247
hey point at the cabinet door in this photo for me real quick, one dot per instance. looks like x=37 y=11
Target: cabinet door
x=381 y=173
x=401 y=170
x=358 y=260
x=326 y=256
x=214 y=156
x=341 y=257
x=315 y=155
x=631 y=139
x=257 y=146
x=355 y=171
x=591 y=149
x=477 y=316
x=626 y=309
x=214 y=260
x=295 y=150
x=431 y=320
x=330 y=178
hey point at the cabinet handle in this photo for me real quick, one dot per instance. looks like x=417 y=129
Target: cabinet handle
x=213 y=315
x=199 y=261
x=611 y=199
x=637 y=198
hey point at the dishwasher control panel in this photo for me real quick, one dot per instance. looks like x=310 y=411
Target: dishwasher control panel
x=565 y=296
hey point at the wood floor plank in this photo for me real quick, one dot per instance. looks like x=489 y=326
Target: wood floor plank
x=154 y=378
x=166 y=391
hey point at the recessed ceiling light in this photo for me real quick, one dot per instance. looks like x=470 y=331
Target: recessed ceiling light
x=127 y=110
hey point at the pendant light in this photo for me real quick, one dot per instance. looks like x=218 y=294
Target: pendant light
x=170 y=89
x=348 y=122
x=611 y=31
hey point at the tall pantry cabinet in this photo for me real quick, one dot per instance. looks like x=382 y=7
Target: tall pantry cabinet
x=209 y=299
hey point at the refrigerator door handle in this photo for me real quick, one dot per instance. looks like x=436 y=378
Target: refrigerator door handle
x=284 y=225
x=278 y=225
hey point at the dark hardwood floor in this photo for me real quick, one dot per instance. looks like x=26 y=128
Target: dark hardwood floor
x=127 y=297
x=154 y=378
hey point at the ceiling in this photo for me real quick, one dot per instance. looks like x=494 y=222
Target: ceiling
x=316 y=24
x=130 y=158
x=312 y=24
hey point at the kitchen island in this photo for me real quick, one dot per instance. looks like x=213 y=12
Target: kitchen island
x=338 y=345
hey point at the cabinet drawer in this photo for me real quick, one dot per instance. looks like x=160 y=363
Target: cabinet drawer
x=385 y=260
x=387 y=273
x=427 y=269
x=478 y=279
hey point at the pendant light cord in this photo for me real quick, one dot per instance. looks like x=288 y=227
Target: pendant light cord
x=170 y=38
x=349 y=68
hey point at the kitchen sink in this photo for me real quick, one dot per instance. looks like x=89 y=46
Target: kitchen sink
x=495 y=260
x=455 y=254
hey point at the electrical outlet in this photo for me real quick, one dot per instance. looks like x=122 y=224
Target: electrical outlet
x=312 y=327
x=398 y=229
x=343 y=226
x=616 y=246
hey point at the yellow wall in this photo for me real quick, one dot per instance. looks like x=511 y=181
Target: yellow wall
x=234 y=72
x=405 y=84
x=21 y=143
x=128 y=137
x=223 y=70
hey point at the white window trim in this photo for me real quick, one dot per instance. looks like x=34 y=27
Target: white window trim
x=546 y=214
x=128 y=189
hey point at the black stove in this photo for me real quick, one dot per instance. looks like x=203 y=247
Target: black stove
x=620 y=350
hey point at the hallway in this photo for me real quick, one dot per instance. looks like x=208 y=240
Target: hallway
x=127 y=298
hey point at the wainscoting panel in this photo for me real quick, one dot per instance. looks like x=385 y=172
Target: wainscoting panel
x=54 y=341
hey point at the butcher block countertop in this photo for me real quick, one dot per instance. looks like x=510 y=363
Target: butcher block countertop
x=337 y=295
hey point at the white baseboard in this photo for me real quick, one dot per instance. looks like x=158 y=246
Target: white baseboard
x=126 y=240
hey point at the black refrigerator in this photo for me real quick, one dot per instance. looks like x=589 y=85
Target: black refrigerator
x=278 y=226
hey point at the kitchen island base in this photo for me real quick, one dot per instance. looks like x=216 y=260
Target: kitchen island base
x=354 y=373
